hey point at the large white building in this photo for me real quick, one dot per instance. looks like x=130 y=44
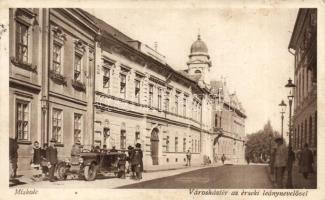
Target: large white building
x=85 y=80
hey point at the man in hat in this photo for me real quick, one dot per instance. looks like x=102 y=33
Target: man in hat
x=52 y=158
x=280 y=161
x=137 y=162
x=306 y=161
x=188 y=158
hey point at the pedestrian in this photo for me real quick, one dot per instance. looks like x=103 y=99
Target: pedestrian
x=104 y=149
x=209 y=160
x=129 y=159
x=280 y=161
x=113 y=149
x=52 y=158
x=223 y=159
x=137 y=160
x=247 y=159
x=272 y=159
x=36 y=160
x=306 y=161
x=75 y=152
x=13 y=157
x=97 y=149
x=45 y=169
x=188 y=158
x=215 y=158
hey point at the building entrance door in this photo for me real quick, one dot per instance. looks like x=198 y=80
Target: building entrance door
x=154 y=146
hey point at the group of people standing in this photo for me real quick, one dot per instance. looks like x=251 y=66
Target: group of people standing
x=135 y=160
x=283 y=157
x=45 y=159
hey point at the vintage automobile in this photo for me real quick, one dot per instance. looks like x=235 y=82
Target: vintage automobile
x=89 y=164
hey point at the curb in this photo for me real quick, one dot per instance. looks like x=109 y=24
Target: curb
x=173 y=168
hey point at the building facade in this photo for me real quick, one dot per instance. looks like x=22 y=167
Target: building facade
x=303 y=45
x=229 y=124
x=25 y=79
x=50 y=79
x=73 y=77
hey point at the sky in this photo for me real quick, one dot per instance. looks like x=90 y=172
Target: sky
x=249 y=47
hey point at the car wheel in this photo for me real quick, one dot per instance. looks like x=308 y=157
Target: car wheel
x=61 y=172
x=90 y=172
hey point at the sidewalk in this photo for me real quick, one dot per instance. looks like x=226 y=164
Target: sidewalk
x=150 y=173
x=155 y=168
x=298 y=180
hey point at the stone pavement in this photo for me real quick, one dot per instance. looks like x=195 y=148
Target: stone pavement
x=298 y=180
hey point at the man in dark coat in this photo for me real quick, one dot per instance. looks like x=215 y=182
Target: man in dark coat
x=129 y=159
x=13 y=157
x=44 y=162
x=223 y=158
x=52 y=158
x=137 y=162
x=306 y=161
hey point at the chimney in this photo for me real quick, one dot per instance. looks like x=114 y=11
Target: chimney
x=156 y=46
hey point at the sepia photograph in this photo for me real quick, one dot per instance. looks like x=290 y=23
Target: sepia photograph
x=204 y=99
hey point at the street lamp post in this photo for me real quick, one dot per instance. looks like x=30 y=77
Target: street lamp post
x=290 y=86
x=283 y=108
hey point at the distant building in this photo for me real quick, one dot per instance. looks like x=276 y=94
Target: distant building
x=304 y=45
x=229 y=124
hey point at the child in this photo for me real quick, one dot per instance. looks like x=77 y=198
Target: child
x=36 y=161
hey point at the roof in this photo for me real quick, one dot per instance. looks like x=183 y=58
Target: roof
x=110 y=30
x=199 y=46
x=194 y=78
x=299 y=24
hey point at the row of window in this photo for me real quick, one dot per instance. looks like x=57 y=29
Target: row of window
x=195 y=145
x=23 y=123
x=306 y=133
x=304 y=81
x=57 y=60
x=137 y=89
x=23 y=48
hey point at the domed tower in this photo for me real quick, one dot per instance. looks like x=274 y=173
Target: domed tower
x=199 y=61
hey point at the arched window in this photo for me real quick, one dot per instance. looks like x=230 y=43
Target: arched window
x=302 y=134
x=310 y=131
x=137 y=134
x=123 y=136
x=306 y=132
x=295 y=139
x=197 y=71
x=315 y=129
x=216 y=121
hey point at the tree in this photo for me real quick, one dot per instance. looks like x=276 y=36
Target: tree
x=260 y=143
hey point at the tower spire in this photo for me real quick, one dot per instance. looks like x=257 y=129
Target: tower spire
x=199 y=35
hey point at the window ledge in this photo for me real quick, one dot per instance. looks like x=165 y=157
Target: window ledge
x=25 y=142
x=77 y=85
x=23 y=65
x=58 y=78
